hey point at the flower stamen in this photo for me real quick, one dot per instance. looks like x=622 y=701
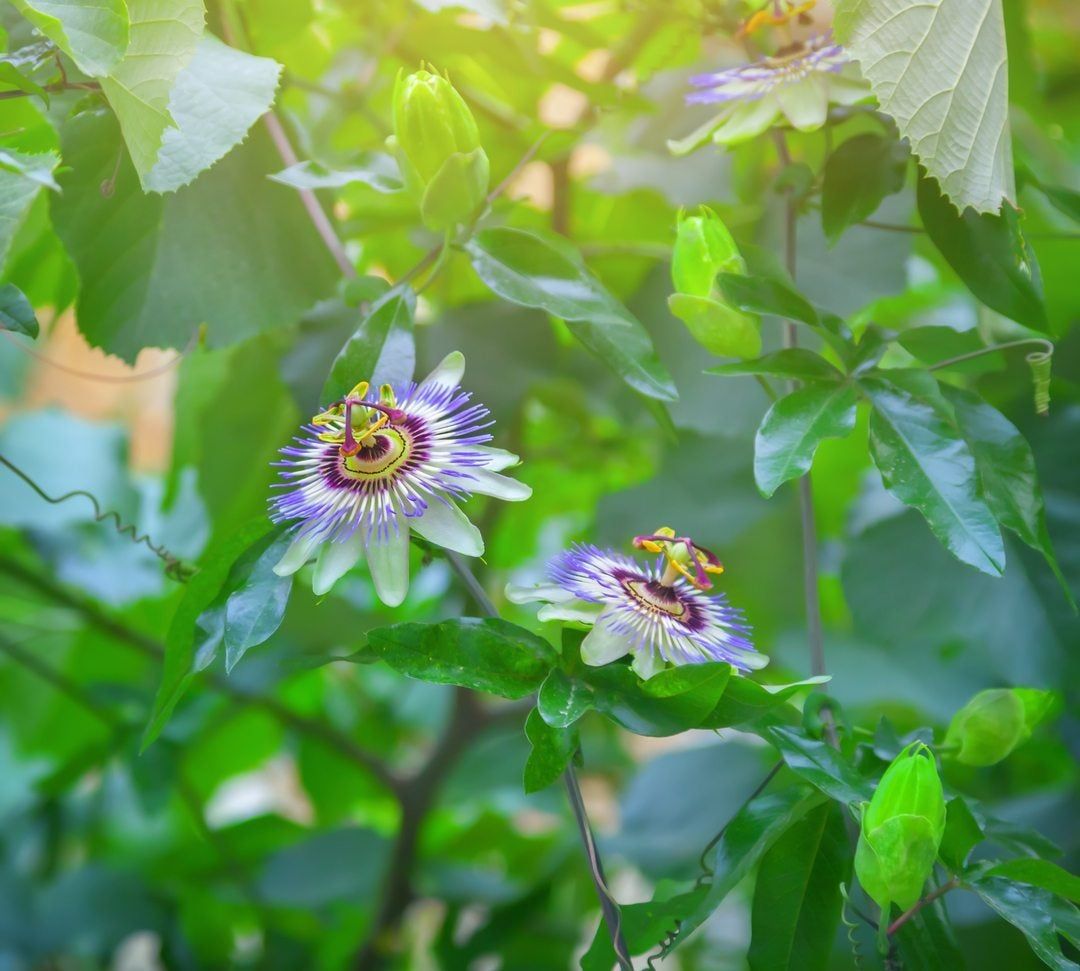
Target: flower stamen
x=775 y=17
x=682 y=556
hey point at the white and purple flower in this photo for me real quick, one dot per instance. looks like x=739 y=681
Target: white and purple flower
x=660 y=613
x=378 y=464
x=796 y=84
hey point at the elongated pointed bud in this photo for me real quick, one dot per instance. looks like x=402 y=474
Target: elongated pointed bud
x=902 y=826
x=438 y=148
x=994 y=722
x=704 y=248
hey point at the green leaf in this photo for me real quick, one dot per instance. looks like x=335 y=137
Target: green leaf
x=990 y=255
x=1039 y=873
x=673 y=701
x=746 y=839
x=255 y=609
x=532 y=271
x=797 y=900
x=21 y=178
x=562 y=699
x=381 y=351
x=858 y=175
x=958 y=125
x=746 y=701
x=925 y=464
x=720 y=329
x=16 y=314
x=552 y=750
x=199 y=593
x=37 y=168
x=793 y=428
x=487 y=655
x=822 y=765
x=153 y=269
x=1030 y=910
x=765 y=295
x=962 y=834
x=206 y=125
x=1007 y=472
x=796 y=363
x=94 y=35
x=375 y=169
x=164 y=35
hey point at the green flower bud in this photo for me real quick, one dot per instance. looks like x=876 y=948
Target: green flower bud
x=438 y=149
x=902 y=826
x=994 y=722
x=703 y=248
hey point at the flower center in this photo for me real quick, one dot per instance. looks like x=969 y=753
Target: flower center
x=681 y=556
x=378 y=455
x=655 y=596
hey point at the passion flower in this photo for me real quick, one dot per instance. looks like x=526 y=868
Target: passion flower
x=376 y=465
x=660 y=613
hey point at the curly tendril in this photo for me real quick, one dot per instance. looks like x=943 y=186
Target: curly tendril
x=175 y=568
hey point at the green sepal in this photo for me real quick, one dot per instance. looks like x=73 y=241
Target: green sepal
x=716 y=326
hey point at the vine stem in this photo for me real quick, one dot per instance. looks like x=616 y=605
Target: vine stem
x=919 y=904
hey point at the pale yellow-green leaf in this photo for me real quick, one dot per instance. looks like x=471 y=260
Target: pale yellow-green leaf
x=163 y=38
x=938 y=67
x=93 y=33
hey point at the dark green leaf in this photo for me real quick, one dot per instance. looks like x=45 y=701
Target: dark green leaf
x=989 y=253
x=962 y=834
x=1030 y=910
x=858 y=175
x=746 y=839
x=797 y=894
x=487 y=655
x=531 y=271
x=552 y=750
x=765 y=295
x=794 y=362
x=381 y=351
x=214 y=567
x=926 y=464
x=177 y=266
x=1040 y=873
x=793 y=428
x=16 y=314
x=255 y=609
x=562 y=699
x=375 y=169
x=822 y=765
x=745 y=701
x=927 y=941
x=1007 y=472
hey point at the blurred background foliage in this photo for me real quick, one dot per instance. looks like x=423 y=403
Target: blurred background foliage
x=253 y=834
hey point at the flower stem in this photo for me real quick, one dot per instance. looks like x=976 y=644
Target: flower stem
x=919 y=904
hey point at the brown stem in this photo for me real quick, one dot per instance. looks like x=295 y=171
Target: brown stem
x=919 y=904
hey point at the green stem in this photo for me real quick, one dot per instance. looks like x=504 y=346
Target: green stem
x=1044 y=355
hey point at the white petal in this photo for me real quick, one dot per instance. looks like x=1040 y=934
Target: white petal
x=497 y=458
x=492 y=484
x=298 y=553
x=389 y=564
x=602 y=645
x=445 y=525
x=579 y=610
x=647 y=663
x=753 y=660
x=335 y=560
x=517 y=593
x=449 y=371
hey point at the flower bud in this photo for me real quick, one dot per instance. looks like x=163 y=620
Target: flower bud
x=703 y=248
x=994 y=722
x=902 y=826
x=438 y=148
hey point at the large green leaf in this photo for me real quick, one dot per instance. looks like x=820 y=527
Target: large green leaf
x=795 y=426
x=822 y=765
x=563 y=700
x=230 y=251
x=255 y=609
x=989 y=253
x=375 y=169
x=382 y=349
x=486 y=655
x=552 y=750
x=217 y=97
x=1040 y=873
x=797 y=895
x=1007 y=471
x=1031 y=911
x=927 y=465
x=858 y=175
x=164 y=36
x=16 y=314
x=745 y=701
x=532 y=271
x=938 y=67
x=94 y=35
x=765 y=295
x=21 y=179
x=793 y=362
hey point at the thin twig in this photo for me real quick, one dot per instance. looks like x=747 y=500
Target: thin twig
x=758 y=790
x=919 y=904
x=51 y=89
x=1047 y=351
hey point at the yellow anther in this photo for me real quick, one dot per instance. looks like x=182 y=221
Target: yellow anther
x=774 y=16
